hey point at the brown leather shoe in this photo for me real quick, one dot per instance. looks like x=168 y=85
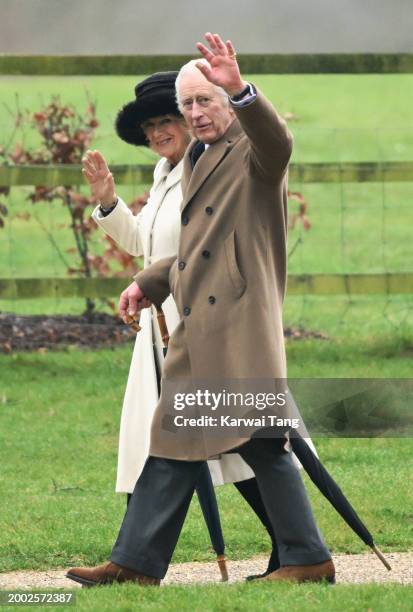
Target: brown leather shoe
x=305 y=573
x=107 y=574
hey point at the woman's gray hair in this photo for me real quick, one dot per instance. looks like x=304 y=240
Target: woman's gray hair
x=191 y=67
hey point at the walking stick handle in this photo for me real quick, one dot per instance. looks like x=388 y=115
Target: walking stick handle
x=133 y=322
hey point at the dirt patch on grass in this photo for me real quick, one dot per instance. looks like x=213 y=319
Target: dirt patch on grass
x=44 y=333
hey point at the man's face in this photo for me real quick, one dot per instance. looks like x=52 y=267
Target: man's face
x=205 y=110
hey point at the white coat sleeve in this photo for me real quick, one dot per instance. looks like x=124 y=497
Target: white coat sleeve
x=123 y=226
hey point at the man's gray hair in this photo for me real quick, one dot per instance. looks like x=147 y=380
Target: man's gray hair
x=191 y=67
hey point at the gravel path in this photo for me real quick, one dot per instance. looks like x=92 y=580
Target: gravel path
x=350 y=569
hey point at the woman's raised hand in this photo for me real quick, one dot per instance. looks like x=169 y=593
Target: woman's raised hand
x=99 y=177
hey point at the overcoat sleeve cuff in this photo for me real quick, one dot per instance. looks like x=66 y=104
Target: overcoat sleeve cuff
x=154 y=280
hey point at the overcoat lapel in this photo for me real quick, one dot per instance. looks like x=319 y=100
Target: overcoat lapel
x=173 y=177
x=192 y=180
x=165 y=179
x=187 y=169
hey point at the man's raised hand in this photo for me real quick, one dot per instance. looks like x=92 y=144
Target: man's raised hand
x=131 y=301
x=223 y=68
x=99 y=177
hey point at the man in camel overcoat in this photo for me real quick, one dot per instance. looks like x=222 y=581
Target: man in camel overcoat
x=229 y=282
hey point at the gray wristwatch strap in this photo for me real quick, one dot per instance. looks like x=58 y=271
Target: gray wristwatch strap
x=106 y=211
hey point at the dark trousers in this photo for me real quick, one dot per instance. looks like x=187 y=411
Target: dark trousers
x=251 y=493
x=160 y=501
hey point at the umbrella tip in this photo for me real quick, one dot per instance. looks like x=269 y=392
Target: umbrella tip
x=381 y=557
x=222 y=564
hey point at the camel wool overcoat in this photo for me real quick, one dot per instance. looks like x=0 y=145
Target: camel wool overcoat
x=229 y=277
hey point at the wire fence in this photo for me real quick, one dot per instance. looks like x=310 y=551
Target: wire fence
x=355 y=260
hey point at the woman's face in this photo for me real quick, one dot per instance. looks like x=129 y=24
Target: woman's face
x=168 y=136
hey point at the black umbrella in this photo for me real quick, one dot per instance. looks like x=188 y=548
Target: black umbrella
x=331 y=491
x=208 y=502
x=204 y=487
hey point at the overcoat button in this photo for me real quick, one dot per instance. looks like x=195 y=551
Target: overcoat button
x=211 y=299
x=187 y=311
x=181 y=265
x=206 y=254
x=185 y=220
x=209 y=210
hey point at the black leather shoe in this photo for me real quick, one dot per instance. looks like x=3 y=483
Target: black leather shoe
x=258 y=576
x=273 y=564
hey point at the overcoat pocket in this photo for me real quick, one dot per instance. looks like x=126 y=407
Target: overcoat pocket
x=237 y=280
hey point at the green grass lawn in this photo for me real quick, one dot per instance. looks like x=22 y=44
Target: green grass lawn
x=342 y=117
x=233 y=598
x=59 y=416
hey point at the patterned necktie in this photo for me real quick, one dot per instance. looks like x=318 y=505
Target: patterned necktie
x=196 y=153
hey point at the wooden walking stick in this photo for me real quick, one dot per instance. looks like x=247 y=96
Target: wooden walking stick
x=160 y=315
x=133 y=322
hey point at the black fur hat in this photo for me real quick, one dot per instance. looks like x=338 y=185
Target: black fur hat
x=154 y=96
